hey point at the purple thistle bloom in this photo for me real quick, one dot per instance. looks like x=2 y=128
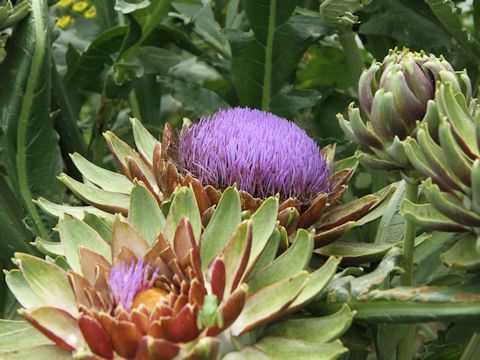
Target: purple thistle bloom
x=261 y=152
x=127 y=281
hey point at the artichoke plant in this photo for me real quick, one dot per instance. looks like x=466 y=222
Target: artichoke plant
x=393 y=96
x=150 y=287
x=262 y=154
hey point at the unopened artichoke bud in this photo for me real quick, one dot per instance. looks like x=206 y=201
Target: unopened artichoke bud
x=393 y=96
x=447 y=152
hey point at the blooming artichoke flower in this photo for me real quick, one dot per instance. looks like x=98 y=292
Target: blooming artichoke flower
x=394 y=95
x=262 y=154
x=150 y=287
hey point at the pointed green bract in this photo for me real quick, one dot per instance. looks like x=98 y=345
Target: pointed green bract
x=221 y=226
x=263 y=223
x=144 y=213
x=267 y=303
x=184 y=205
x=77 y=211
x=107 y=180
x=314 y=330
x=143 y=139
x=21 y=289
x=75 y=233
x=103 y=199
x=20 y=335
x=48 y=281
x=289 y=263
x=235 y=254
x=316 y=282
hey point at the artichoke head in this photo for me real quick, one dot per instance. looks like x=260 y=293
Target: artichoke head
x=394 y=95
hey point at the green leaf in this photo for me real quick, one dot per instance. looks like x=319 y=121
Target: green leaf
x=258 y=73
x=184 y=205
x=289 y=102
x=48 y=282
x=268 y=303
x=221 y=226
x=106 y=179
x=193 y=97
x=426 y=215
x=75 y=233
x=445 y=11
x=286 y=265
x=145 y=213
x=391 y=227
x=263 y=222
x=314 y=330
x=25 y=110
x=463 y=254
x=355 y=253
x=422 y=304
x=205 y=25
x=19 y=335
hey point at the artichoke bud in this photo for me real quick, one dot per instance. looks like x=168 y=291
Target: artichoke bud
x=394 y=95
x=410 y=78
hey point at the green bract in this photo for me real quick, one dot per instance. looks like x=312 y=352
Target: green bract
x=154 y=163
x=446 y=152
x=150 y=286
x=394 y=95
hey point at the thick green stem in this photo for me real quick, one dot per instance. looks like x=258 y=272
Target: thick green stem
x=267 y=78
x=351 y=52
x=473 y=348
x=406 y=278
x=405 y=348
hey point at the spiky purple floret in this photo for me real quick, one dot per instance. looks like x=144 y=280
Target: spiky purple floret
x=261 y=152
x=127 y=281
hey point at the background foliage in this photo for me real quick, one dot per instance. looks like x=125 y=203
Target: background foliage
x=71 y=70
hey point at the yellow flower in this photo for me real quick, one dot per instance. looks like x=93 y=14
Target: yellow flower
x=91 y=12
x=64 y=21
x=80 y=6
x=64 y=3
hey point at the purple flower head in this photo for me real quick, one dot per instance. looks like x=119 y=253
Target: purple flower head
x=263 y=153
x=127 y=281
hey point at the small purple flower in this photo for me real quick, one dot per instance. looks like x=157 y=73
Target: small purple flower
x=127 y=281
x=261 y=152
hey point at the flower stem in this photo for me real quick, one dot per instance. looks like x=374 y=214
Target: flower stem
x=406 y=278
x=405 y=348
x=352 y=52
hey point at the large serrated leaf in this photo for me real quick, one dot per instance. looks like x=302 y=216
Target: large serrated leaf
x=25 y=111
